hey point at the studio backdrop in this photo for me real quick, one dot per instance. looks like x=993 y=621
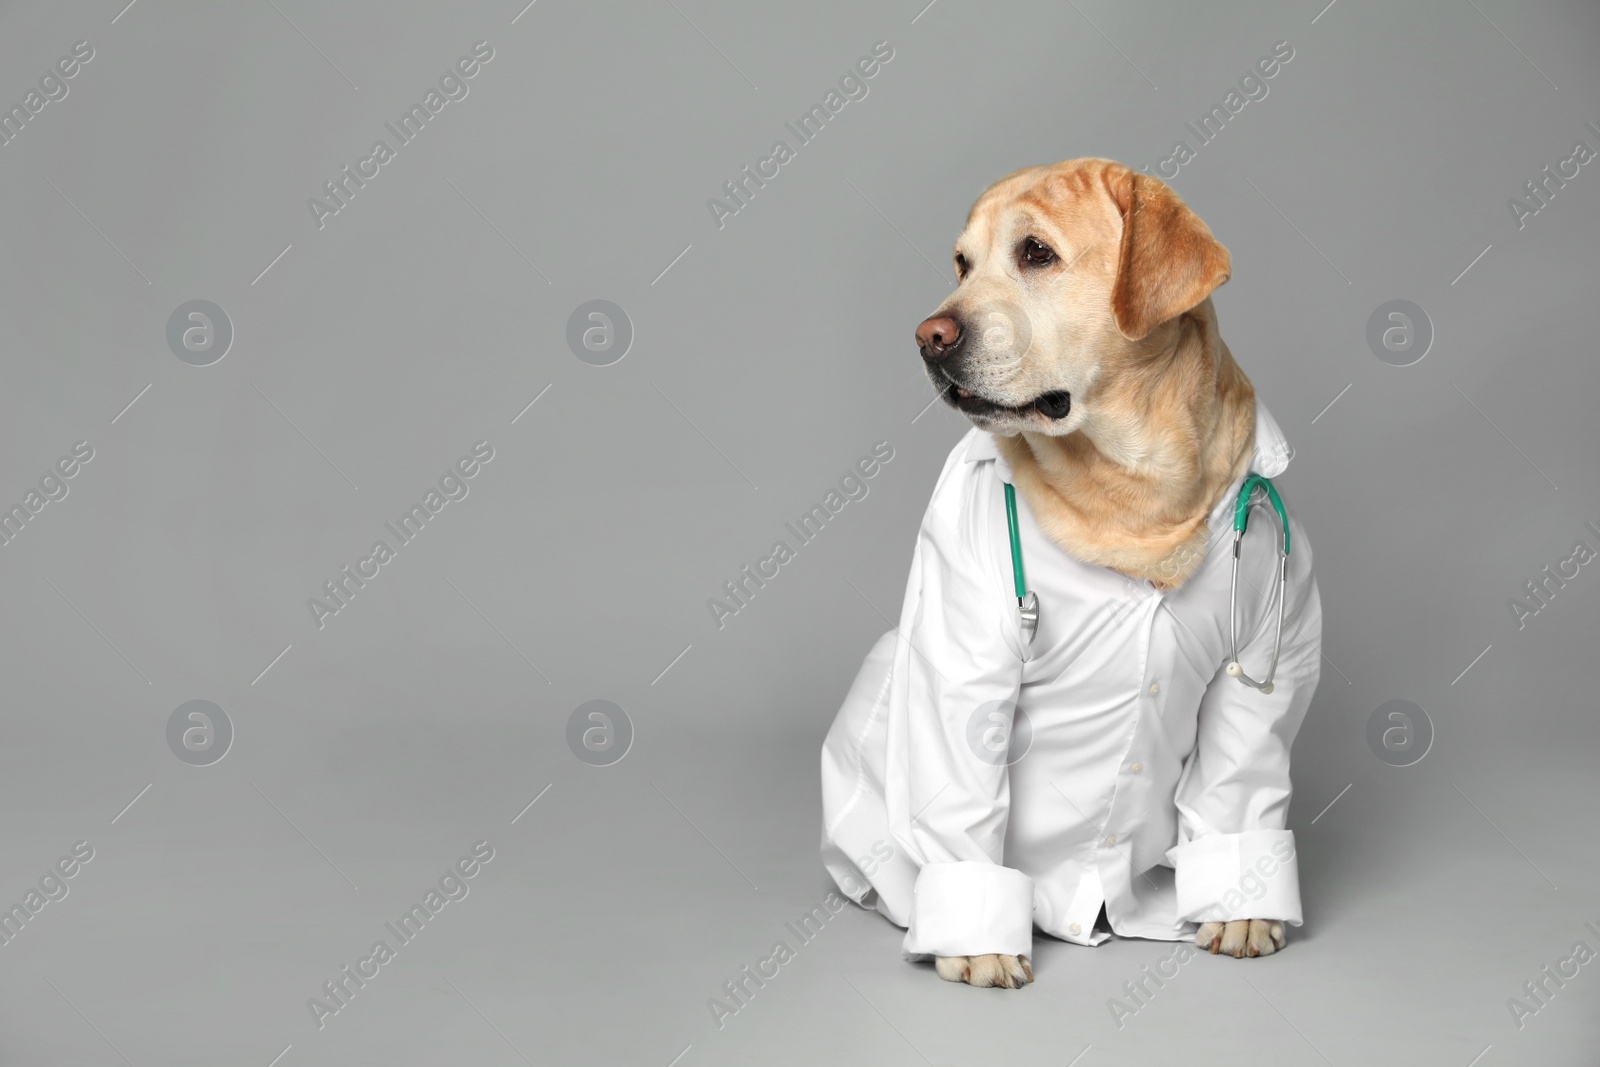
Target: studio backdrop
x=397 y=399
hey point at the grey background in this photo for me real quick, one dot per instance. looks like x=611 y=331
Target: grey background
x=771 y=355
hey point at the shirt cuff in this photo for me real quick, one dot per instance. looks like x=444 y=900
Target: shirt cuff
x=970 y=909
x=1224 y=877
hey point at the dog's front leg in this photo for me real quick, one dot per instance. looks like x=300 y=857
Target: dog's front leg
x=1241 y=937
x=1006 y=972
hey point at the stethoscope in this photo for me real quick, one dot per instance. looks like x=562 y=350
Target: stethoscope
x=1028 y=602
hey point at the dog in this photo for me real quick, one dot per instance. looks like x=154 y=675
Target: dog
x=1082 y=344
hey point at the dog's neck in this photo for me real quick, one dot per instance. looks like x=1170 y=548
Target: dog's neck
x=1167 y=432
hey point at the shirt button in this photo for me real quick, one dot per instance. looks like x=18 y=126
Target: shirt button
x=1074 y=929
x=1135 y=768
x=1111 y=840
x=1155 y=687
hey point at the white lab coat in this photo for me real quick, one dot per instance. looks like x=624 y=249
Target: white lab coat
x=1155 y=784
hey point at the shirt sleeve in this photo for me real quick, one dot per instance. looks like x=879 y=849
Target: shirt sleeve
x=962 y=672
x=1234 y=858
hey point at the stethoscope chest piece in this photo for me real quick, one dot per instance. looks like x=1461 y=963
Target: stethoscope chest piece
x=1028 y=608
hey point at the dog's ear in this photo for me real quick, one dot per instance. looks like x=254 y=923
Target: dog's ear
x=1168 y=261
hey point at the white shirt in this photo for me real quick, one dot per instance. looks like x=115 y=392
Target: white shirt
x=1154 y=783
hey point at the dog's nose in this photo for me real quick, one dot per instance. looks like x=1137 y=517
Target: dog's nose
x=938 y=336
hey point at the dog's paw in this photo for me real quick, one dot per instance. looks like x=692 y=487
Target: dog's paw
x=1007 y=972
x=1242 y=937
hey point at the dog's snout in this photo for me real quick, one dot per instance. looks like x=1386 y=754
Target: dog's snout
x=938 y=336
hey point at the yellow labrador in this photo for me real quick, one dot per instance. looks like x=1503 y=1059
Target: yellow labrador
x=1126 y=419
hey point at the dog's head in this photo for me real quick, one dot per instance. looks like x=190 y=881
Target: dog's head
x=1065 y=275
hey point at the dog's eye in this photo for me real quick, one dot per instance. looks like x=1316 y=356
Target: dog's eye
x=1036 y=254
x=961 y=266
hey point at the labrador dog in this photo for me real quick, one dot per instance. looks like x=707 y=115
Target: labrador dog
x=1124 y=418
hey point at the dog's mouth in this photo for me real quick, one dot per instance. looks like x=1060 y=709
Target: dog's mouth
x=1054 y=405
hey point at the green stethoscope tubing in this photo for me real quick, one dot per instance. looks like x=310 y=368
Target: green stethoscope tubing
x=1016 y=542
x=1028 y=603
